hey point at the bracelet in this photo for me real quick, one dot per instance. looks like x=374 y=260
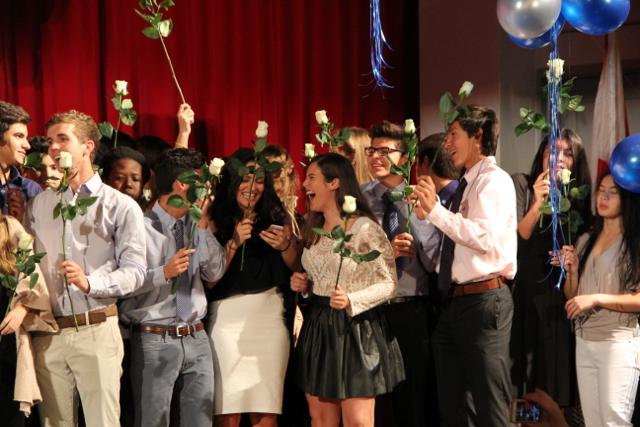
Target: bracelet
x=288 y=246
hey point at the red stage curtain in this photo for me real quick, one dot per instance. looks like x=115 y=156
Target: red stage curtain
x=238 y=61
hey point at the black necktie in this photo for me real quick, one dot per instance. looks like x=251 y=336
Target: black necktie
x=391 y=218
x=448 y=246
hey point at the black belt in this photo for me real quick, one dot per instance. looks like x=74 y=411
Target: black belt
x=401 y=300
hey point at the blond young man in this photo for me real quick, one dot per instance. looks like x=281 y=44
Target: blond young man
x=105 y=259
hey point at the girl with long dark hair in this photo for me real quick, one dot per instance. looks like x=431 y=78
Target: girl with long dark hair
x=605 y=310
x=346 y=355
x=542 y=344
x=249 y=338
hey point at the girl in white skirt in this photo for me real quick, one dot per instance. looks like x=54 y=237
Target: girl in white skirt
x=249 y=338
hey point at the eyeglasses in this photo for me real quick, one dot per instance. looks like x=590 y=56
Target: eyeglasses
x=608 y=193
x=382 y=151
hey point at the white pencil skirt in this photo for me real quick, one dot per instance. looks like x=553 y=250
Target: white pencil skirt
x=250 y=346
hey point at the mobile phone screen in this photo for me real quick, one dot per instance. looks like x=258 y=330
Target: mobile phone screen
x=525 y=411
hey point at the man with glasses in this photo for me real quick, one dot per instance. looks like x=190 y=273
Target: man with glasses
x=415 y=253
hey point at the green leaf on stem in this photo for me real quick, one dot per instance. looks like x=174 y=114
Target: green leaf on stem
x=106 y=129
x=321 y=232
x=369 y=256
x=259 y=145
x=56 y=210
x=396 y=195
x=176 y=201
x=188 y=177
x=151 y=32
x=128 y=117
x=272 y=166
x=33 y=161
x=195 y=213
x=33 y=280
x=565 y=204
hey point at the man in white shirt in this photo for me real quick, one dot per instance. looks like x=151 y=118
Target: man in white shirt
x=471 y=340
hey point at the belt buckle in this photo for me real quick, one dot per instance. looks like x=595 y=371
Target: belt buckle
x=178 y=334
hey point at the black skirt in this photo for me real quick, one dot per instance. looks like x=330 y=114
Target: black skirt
x=340 y=357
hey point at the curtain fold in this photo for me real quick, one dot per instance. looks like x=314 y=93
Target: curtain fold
x=237 y=61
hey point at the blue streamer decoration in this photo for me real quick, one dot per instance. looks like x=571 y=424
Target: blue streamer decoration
x=553 y=96
x=378 y=43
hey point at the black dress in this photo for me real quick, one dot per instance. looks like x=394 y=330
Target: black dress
x=542 y=343
x=9 y=409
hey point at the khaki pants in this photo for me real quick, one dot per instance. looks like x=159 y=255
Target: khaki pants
x=89 y=361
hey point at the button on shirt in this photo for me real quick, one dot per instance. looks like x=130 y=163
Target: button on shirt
x=412 y=273
x=106 y=243
x=154 y=302
x=485 y=228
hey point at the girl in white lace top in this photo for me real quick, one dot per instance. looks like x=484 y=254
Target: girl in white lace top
x=346 y=355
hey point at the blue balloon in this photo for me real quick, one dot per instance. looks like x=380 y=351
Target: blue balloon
x=596 y=17
x=625 y=163
x=542 y=40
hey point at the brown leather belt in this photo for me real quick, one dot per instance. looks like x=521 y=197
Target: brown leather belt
x=174 y=331
x=476 y=287
x=88 y=317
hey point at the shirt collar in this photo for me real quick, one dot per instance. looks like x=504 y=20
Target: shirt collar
x=475 y=170
x=166 y=220
x=93 y=184
x=379 y=189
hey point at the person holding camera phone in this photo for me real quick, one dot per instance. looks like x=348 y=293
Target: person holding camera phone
x=247 y=330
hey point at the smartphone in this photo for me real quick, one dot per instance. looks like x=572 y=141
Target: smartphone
x=525 y=411
x=275 y=227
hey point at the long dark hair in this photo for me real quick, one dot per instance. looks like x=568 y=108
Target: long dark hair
x=629 y=259
x=334 y=166
x=225 y=212
x=579 y=172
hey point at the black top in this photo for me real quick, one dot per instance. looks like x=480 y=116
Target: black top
x=263 y=269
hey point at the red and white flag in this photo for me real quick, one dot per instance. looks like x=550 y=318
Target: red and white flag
x=609 y=113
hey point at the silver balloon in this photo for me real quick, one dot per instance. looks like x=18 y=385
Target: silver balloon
x=527 y=19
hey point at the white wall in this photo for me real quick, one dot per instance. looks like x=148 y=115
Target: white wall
x=462 y=40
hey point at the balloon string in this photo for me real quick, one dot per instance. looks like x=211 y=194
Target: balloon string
x=553 y=96
x=378 y=42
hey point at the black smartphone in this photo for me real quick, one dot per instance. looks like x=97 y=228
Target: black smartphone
x=525 y=411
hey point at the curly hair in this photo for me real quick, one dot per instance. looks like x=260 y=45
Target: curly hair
x=225 y=211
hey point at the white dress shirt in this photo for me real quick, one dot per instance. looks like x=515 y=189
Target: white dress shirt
x=485 y=228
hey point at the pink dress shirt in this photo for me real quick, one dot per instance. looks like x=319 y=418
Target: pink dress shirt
x=485 y=228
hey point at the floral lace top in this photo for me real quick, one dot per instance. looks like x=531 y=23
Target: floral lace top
x=367 y=284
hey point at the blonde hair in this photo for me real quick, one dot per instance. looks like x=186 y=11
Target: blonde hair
x=285 y=183
x=7 y=248
x=359 y=140
x=85 y=128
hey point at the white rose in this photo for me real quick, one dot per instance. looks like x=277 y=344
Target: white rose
x=261 y=131
x=565 y=176
x=216 y=166
x=409 y=126
x=321 y=117
x=146 y=194
x=349 y=206
x=127 y=104
x=64 y=160
x=465 y=89
x=25 y=241
x=309 y=151
x=121 y=87
x=557 y=65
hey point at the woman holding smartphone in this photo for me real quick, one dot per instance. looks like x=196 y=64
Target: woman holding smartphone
x=605 y=310
x=249 y=338
x=345 y=354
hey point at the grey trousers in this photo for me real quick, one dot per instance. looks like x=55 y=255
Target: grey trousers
x=158 y=364
x=471 y=352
